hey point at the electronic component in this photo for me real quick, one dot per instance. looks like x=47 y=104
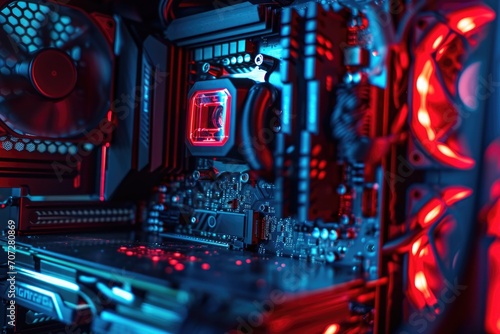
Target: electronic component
x=248 y=166
x=209 y=118
x=212 y=121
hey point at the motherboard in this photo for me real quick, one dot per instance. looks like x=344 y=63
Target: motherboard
x=259 y=166
x=268 y=172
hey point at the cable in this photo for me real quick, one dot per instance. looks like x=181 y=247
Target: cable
x=168 y=6
x=401 y=244
x=430 y=235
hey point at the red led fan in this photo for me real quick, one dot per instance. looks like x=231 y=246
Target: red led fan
x=440 y=82
x=429 y=258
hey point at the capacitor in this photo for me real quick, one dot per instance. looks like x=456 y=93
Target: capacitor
x=344 y=219
x=316 y=233
x=330 y=257
x=324 y=234
x=334 y=235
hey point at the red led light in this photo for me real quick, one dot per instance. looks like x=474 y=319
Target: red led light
x=157 y=255
x=416 y=246
x=209 y=118
x=423 y=273
x=332 y=329
x=492 y=316
x=435 y=208
x=451 y=195
x=431 y=212
x=102 y=181
x=314 y=173
x=205 y=266
x=470 y=19
x=421 y=283
x=493 y=220
x=495 y=190
x=425 y=124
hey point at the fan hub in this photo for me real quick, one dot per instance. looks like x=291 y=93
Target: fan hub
x=53 y=73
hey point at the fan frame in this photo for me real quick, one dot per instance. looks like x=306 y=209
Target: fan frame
x=106 y=25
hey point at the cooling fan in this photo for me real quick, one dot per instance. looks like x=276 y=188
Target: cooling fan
x=446 y=86
x=56 y=70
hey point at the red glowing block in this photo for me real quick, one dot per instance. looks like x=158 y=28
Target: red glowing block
x=209 y=118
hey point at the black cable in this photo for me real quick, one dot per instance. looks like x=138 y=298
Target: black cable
x=167 y=9
x=430 y=235
x=401 y=244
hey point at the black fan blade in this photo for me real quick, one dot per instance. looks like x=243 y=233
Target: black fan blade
x=44 y=35
x=77 y=38
x=10 y=49
x=49 y=118
x=13 y=85
x=26 y=113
